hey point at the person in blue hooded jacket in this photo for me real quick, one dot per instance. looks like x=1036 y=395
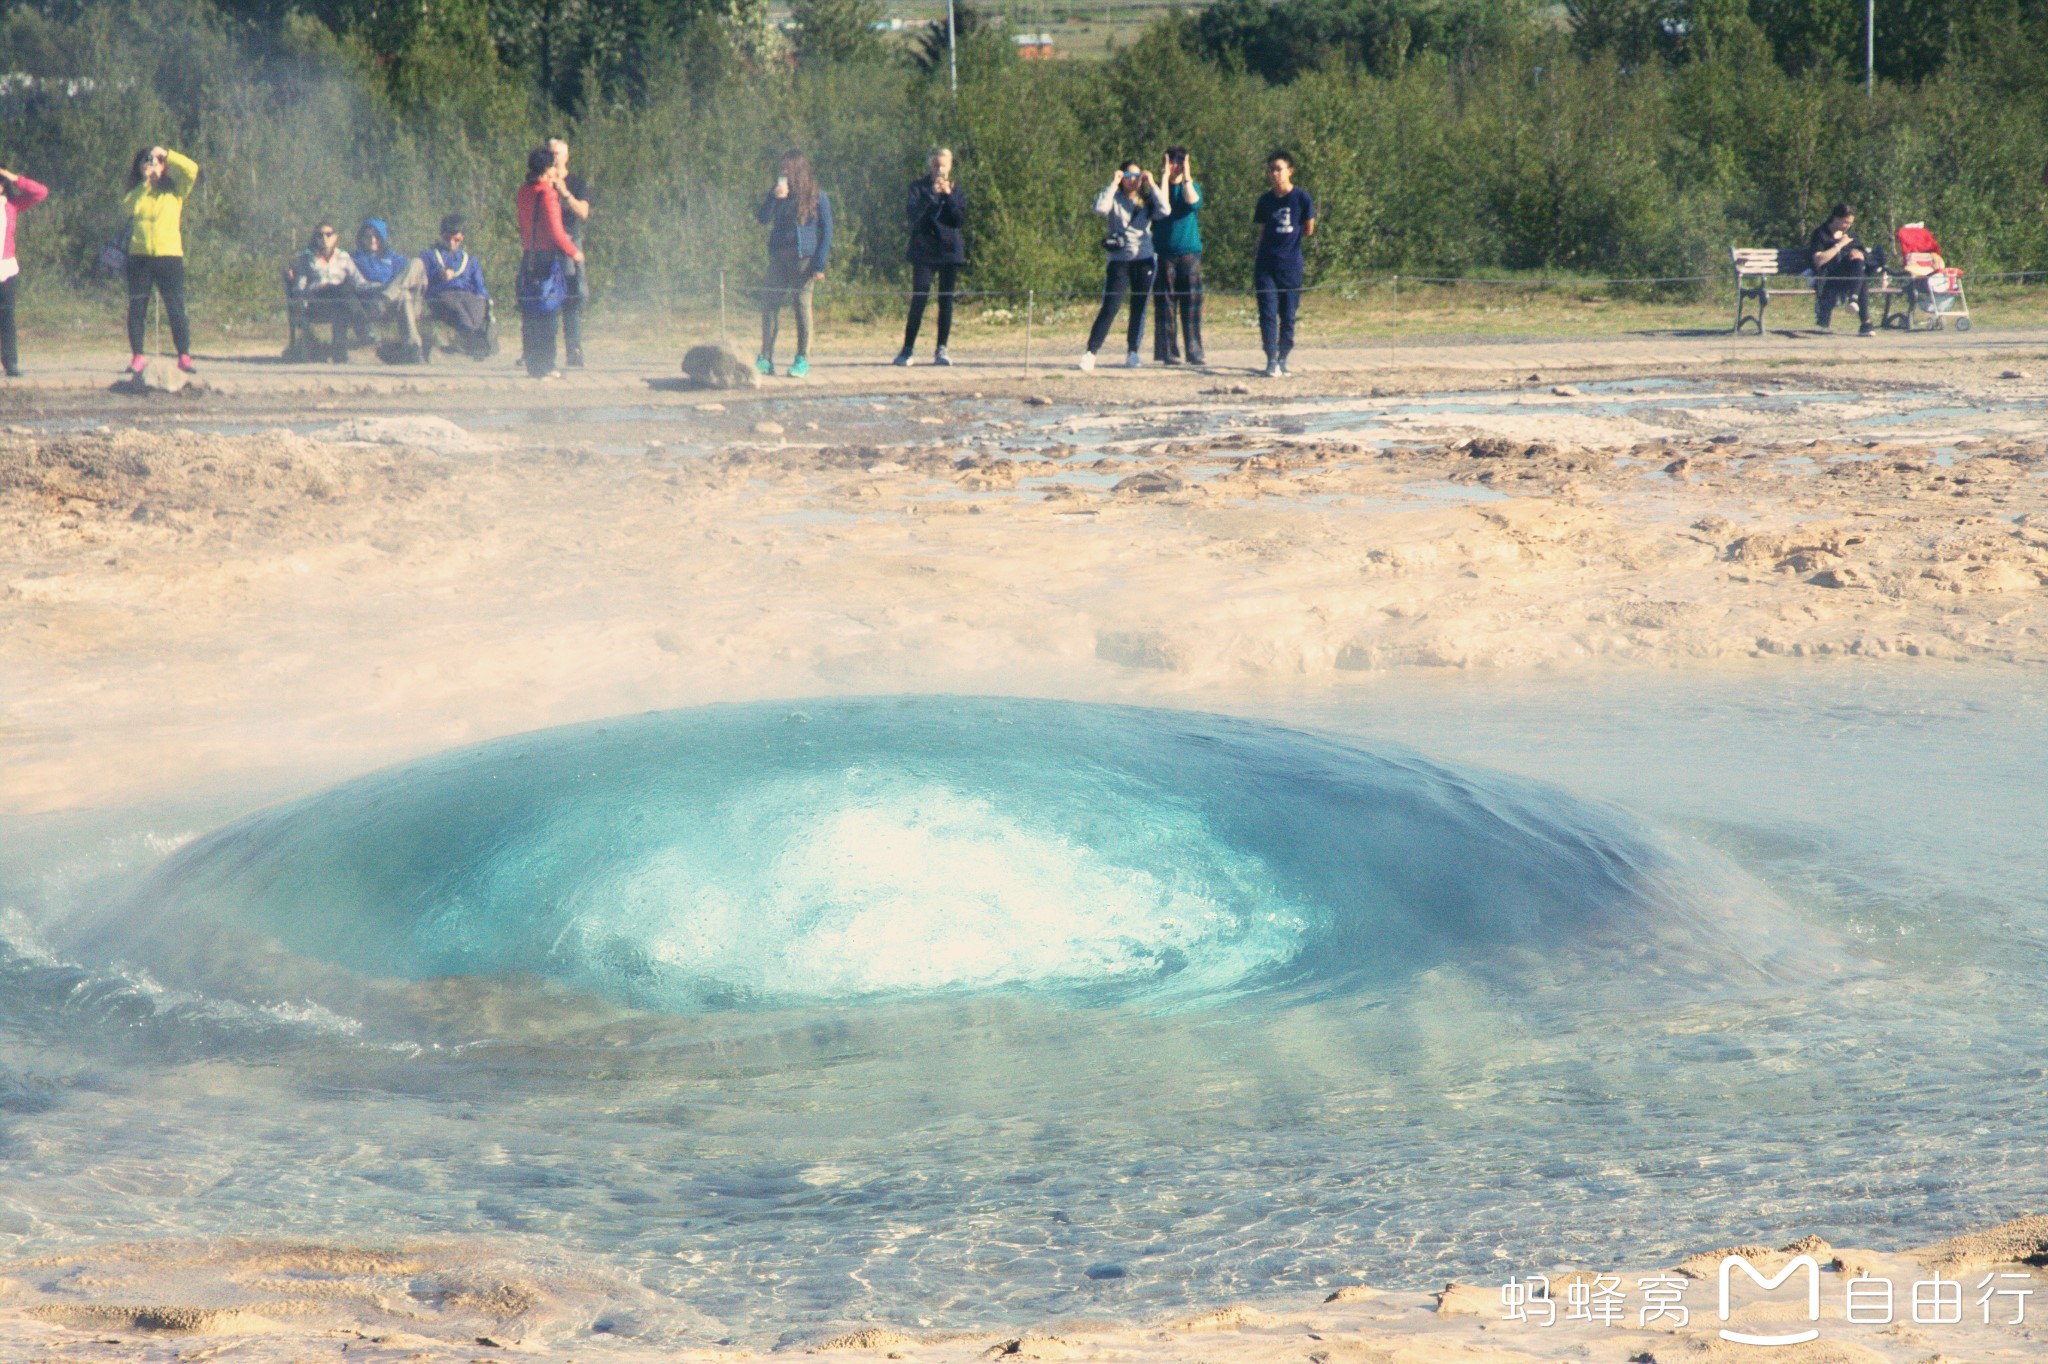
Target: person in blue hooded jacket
x=394 y=286
x=456 y=296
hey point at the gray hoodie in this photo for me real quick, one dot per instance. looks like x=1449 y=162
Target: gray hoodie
x=1130 y=224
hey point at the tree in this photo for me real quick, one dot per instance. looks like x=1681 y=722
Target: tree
x=837 y=30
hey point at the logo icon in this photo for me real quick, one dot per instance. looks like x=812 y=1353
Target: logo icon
x=1805 y=1262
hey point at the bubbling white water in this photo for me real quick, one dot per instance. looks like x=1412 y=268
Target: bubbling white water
x=862 y=883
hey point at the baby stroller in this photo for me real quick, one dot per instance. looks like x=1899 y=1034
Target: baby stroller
x=1931 y=288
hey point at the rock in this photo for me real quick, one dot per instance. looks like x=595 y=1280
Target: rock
x=1566 y=391
x=1677 y=467
x=1535 y=379
x=2013 y=374
x=873 y=1338
x=157 y=377
x=711 y=407
x=1712 y=524
x=1138 y=649
x=1353 y=1292
x=1723 y=438
x=767 y=428
x=1465 y=1300
x=1038 y=400
x=1148 y=481
x=438 y=434
x=718 y=367
x=1492 y=447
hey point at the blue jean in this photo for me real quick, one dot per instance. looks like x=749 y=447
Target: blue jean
x=1279 y=289
x=1123 y=277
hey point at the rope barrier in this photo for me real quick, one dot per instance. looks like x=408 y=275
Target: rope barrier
x=1393 y=281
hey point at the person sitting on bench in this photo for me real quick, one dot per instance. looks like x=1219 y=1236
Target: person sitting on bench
x=1841 y=266
x=456 y=296
x=393 y=287
x=322 y=284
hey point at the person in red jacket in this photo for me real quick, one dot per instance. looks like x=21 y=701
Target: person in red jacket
x=20 y=192
x=547 y=244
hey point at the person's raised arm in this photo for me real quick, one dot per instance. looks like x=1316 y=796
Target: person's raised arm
x=1156 y=192
x=1105 y=202
x=181 y=170
x=22 y=191
x=579 y=207
x=953 y=208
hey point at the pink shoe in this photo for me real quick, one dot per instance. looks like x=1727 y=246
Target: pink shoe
x=185 y=365
x=138 y=364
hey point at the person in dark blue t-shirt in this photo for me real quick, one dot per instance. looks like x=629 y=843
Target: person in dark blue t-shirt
x=1286 y=216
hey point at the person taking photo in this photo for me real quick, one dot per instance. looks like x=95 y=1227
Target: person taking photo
x=158 y=181
x=798 y=217
x=937 y=218
x=574 y=192
x=1177 y=238
x=18 y=192
x=1129 y=204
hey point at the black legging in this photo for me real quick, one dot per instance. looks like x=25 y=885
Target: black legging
x=920 y=289
x=10 y=354
x=1844 y=280
x=1180 y=309
x=166 y=275
x=1134 y=277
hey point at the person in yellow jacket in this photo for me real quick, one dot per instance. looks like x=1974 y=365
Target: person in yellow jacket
x=158 y=181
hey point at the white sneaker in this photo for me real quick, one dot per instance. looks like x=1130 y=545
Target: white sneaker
x=1273 y=370
x=1283 y=366
x=1132 y=361
x=1088 y=360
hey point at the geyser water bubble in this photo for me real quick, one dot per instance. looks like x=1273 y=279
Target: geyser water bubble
x=848 y=851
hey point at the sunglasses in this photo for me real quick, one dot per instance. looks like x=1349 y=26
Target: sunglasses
x=329 y=235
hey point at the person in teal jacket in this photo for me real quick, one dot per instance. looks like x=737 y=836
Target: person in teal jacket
x=1177 y=240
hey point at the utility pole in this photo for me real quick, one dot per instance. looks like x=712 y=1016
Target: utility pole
x=1869 y=48
x=953 y=51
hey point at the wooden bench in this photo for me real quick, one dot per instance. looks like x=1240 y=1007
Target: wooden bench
x=1757 y=266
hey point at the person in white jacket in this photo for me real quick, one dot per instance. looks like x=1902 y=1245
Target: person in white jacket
x=1128 y=205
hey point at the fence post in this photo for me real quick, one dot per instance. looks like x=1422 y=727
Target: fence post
x=723 y=338
x=1397 y=293
x=1030 y=307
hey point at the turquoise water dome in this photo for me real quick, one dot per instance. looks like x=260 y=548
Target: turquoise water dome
x=838 y=852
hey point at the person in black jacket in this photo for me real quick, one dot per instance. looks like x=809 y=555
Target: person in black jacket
x=937 y=216
x=1841 y=268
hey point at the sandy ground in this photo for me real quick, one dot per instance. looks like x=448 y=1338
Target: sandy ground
x=275 y=1301
x=296 y=574
x=307 y=575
